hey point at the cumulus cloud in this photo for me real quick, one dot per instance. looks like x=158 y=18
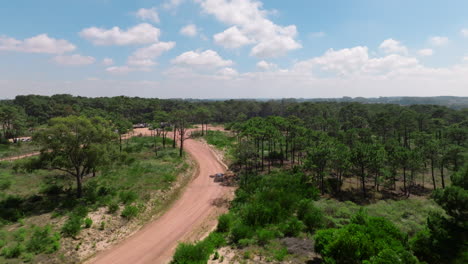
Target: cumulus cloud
x=107 y=61
x=140 y=34
x=205 y=59
x=149 y=14
x=354 y=62
x=392 y=46
x=145 y=56
x=266 y=66
x=38 y=44
x=438 y=41
x=425 y=52
x=232 y=38
x=189 y=30
x=228 y=72
x=74 y=60
x=250 y=25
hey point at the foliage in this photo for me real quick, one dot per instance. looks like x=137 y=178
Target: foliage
x=198 y=252
x=43 y=240
x=364 y=239
x=130 y=212
x=72 y=226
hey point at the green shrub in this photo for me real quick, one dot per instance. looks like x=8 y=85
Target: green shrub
x=191 y=253
x=224 y=223
x=264 y=235
x=128 y=197
x=81 y=211
x=240 y=231
x=14 y=251
x=72 y=226
x=310 y=215
x=292 y=228
x=20 y=234
x=112 y=207
x=43 y=240
x=365 y=240
x=28 y=257
x=129 y=212
x=88 y=222
x=102 y=226
x=5 y=184
x=2 y=243
x=280 y=254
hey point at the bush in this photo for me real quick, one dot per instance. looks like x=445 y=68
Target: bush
x=13 y=251
x=240 y=231
x=199 y=252
x=5 y=184
x=88 y=222
x=365 y=240
x=292 y=228
x=43 y=240
x=310 y=215
x=129 y=212
x=112 y=207
x=72 y=226
x=102 y=226
x=265 y=235
x=224 y=223
x=128 y=197
x=20 y=234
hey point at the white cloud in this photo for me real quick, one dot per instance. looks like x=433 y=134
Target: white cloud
x=144 y=56
x=74 y=60
x=425 y=52
x=266 y=66
x=38 y=44
x=354 y=62
x=121 y=70
x=464 y=32
x=172 y=4
x=189 y=30
x=205 y=59
x=232 y=38
x=392 y=46
x=438 y=41
x=140 y=34
x=251 y=21
x=228 y=72
x=148 y=14
x=107 y=61
x=465 y=59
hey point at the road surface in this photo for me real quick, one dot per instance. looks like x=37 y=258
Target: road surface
x=156 y=242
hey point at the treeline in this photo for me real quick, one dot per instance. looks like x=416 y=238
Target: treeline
x=384 y=145
x=27 y=111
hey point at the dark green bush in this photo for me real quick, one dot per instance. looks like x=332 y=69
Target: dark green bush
x=128 y=197
x=265 y=235
x=310 y=215
x=43 y=240
x=292 y=228
x=72 y=226
x=130 y=211
x=365 y=240
x=199 y=252
x=13 y=251
x=112 y=207
x=224 y=223
x=88 y=222
x=240 y=231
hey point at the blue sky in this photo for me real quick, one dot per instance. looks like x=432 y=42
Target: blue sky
x=234 y=48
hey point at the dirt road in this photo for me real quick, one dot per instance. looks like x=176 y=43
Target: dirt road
x=20 y=156
x=156 y=242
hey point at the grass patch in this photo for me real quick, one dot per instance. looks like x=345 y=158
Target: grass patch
x=11 y=150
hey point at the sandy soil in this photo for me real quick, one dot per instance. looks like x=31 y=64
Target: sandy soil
x=190 y=218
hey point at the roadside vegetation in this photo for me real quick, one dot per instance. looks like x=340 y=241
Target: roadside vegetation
x=41 y=217
x=344 y=181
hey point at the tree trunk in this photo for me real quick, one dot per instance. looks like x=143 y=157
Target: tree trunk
x=442 y=175
x=79 y=186
x=182 y=132
x=363 y=182
x=120 y=141
x=404 y=180
x=174 y=142
x=432 y=174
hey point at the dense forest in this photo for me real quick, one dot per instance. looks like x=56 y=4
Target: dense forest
x=288 y=154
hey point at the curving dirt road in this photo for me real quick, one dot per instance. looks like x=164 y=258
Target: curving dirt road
x=156 y=242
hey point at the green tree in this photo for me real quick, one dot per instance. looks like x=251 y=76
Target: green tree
x=75 y=145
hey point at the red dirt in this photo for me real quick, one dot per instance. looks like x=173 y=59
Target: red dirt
x=156 y=242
